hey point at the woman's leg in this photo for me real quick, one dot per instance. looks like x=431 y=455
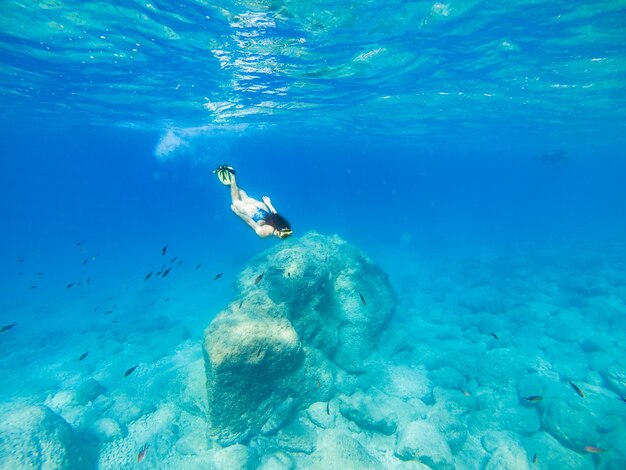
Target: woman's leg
x=235 y=193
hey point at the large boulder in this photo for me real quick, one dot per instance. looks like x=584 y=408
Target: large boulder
x=303 y=311
x=36 y=437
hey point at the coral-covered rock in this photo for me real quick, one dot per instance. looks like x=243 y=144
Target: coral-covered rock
x=421 y=441
x=303 y=310
x=35 y=437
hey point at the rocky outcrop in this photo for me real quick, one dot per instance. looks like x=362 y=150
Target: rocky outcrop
x=304 y=312
x=36 y=437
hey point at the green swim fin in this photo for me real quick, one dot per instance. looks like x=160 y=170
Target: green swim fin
x=224 y=174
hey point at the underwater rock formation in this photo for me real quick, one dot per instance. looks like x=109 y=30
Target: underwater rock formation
x=36 y=437
x=304 y=313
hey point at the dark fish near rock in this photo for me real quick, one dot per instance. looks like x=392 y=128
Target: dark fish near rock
x=327 y=407
x=7 y=327
x=240 y=304
x=535 y=459
x=164 y=250
x=130 y=371
x=83 y=356
x=362 y=298
x=534 y=398
x=258 y=278
x=217 y=276
x=148 y=276
x=494 y=335
x=142 y=453
x=577 y=390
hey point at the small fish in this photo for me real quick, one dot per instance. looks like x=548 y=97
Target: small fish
x=318 y=384
x=535 y=459
x=33 y=287
x=494 y=335
x=258 y=353
x=164 y=250
x=180 y=263
x=167 y=299
x=594 y=449
x=288 y=274
x=174 y=259
x=362 y=298
x=325 y=258
x=577 y=389
x=533 y=398
x=198 y=265
x=621 y=398
x=108 y=312
x=159 y=273
x=83 y=356
x=217 y=276
x=258 y=278
x=40 y=274
x=148 y=276
x=327 y=407
x=79 y=243
x=130 y=371
x=70 y=285
x=142 y=453
x=7 y=327
x=165 y=273
x=151 y=303
x=240 y=304
x=21 y=259
x=466 y=393
x=88 y=280
x=85 y=260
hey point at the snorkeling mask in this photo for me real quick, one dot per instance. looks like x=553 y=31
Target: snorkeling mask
x=284 y=233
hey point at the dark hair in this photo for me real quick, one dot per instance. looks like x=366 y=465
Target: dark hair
x=277 y=221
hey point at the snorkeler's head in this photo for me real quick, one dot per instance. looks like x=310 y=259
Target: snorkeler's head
x=280 y=224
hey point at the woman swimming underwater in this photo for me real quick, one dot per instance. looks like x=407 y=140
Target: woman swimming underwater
x=261 y=216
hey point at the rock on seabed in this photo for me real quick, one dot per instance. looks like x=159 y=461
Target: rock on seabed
x=297 y=319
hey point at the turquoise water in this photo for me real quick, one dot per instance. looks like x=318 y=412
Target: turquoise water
x=475 y=151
